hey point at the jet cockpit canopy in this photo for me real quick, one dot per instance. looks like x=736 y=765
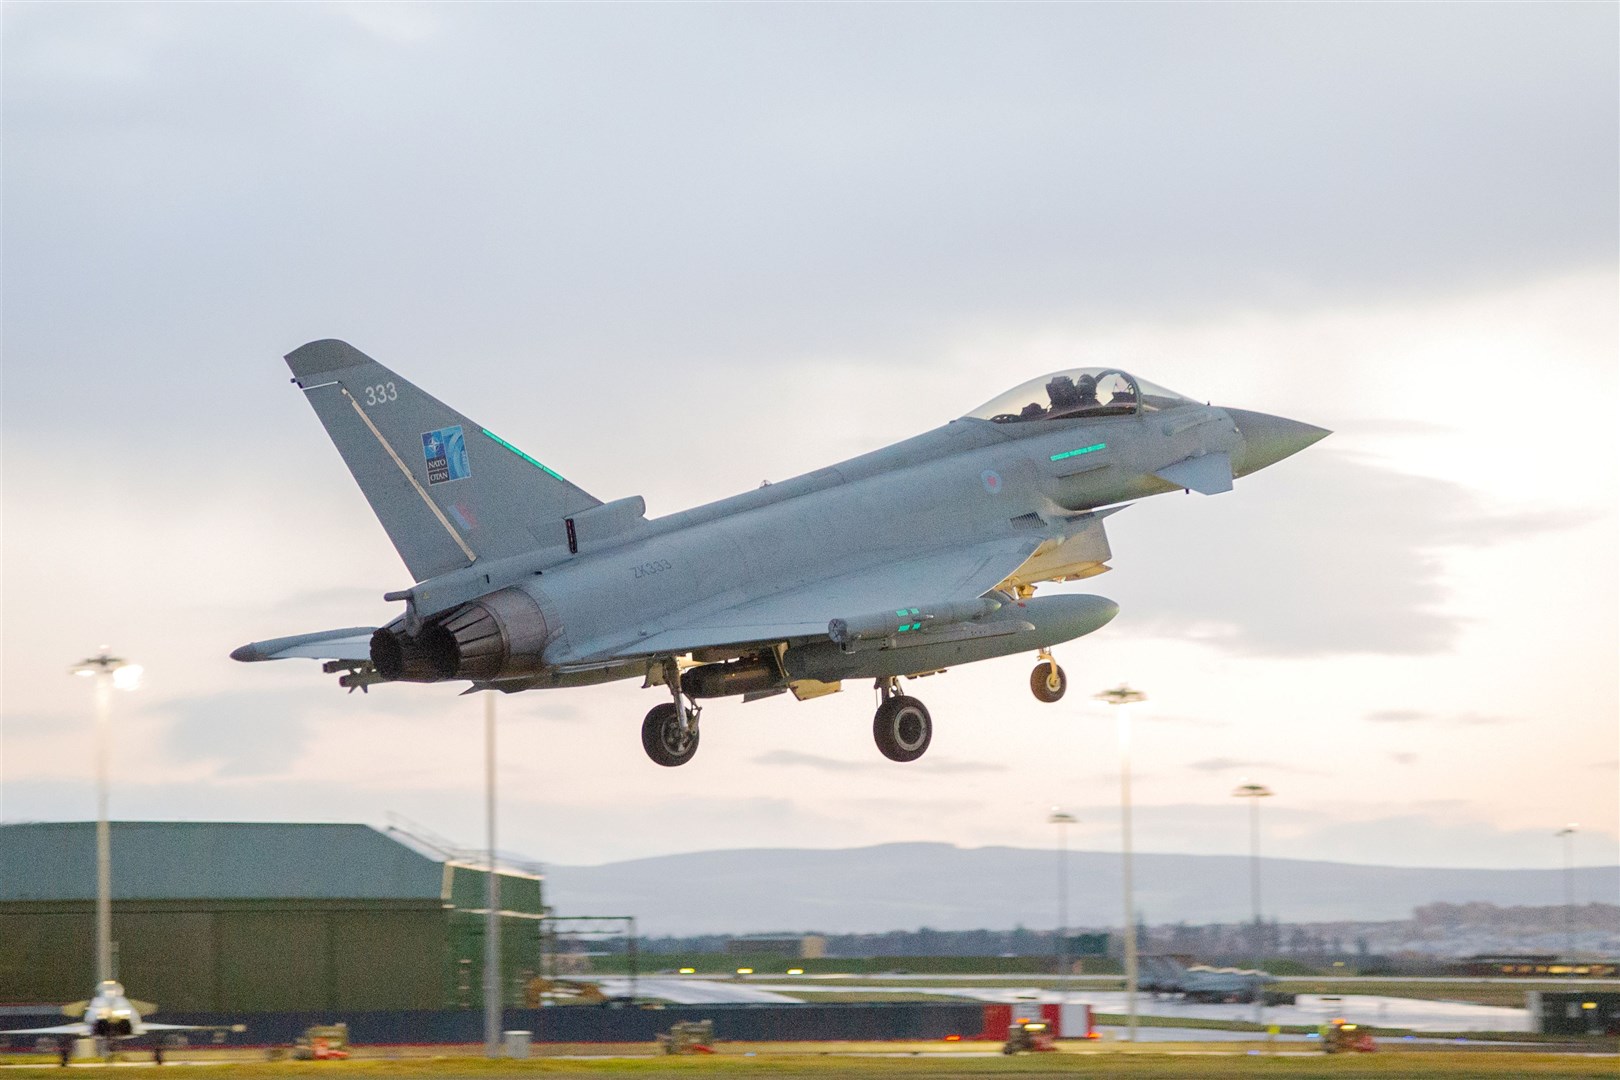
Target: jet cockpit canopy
x=1078 y=393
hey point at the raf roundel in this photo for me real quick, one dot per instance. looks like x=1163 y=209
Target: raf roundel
x=992 y=481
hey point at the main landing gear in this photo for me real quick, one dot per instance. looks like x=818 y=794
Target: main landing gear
x=1047 y=682
x=669 y=734
x=902 y=727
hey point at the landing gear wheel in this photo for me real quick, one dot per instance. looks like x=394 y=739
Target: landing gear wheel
x=1047 y=682
x=903 y=729
x=665 y=739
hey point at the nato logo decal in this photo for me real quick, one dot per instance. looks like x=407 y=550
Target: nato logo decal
x=446 y=454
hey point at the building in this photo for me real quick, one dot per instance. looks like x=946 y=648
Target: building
x=1520 y=965
x=1574 y=1012
x=802 y=947
x=248 y=917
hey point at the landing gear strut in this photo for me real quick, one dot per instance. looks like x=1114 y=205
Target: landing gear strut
x=1047 y=682
x=669 y=733
x=902 y=727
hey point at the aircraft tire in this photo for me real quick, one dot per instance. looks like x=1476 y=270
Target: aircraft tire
x=1048 y=682
x=661 y=737
x=902 y=728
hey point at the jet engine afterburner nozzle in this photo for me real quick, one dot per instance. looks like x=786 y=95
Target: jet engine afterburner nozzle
x=499 y=634
x=495 y=636
x=423 y=658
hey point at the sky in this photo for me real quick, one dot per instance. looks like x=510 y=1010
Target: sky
x=676 y=250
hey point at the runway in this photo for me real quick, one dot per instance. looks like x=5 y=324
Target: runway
x=690 y=991
x=1309 y=1009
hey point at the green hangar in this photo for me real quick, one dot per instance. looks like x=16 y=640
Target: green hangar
x=247 y=917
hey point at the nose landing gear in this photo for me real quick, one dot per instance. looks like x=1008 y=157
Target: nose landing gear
x=902 y=727
x=1047 y=682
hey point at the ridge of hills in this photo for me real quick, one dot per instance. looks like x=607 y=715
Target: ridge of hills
x=944 y=887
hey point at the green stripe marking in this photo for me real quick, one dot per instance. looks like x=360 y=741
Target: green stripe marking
x=521 y=454
x=1093 y=448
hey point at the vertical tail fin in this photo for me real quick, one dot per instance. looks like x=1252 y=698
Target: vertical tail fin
x=448 y=491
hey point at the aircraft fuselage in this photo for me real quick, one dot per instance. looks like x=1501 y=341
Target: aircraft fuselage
x=965 y=481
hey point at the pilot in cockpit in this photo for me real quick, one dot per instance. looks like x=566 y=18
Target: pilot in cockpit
x=1068 y=394
x=1063 y=393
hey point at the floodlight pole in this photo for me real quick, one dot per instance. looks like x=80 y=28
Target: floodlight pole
x=104 y=964
x=492 y=894
x=1063 y=820
x=1254 y=793
x=1124 y=695
x=1568 y=835
x=102 y=667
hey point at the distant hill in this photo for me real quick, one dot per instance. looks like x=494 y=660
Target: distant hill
x=905 y=886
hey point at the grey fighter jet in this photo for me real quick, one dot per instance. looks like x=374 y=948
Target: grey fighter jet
x=899 y=563
x=113 y=1018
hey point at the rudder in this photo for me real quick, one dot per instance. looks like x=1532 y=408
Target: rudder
x=447 y=491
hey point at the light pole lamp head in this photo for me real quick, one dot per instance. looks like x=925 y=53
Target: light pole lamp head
x=1121 y=695
x=125 y=675
x=1062 y=817
x=1568 y=830
x=1251 y=791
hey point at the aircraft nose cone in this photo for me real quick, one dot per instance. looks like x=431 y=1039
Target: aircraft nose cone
x=1268 y=439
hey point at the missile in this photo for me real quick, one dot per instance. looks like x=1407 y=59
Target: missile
x=909 y=620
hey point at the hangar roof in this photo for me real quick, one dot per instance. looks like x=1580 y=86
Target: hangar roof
x=173 y=860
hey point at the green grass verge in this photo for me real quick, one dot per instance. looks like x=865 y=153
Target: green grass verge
x=1128 y=1064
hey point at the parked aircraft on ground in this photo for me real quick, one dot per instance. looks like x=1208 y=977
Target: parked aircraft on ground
x=899 y=563
x=111 y=1016
x=1200 y=982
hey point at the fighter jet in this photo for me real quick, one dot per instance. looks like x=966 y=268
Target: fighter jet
x=112 y=1017
x=1200 y=982
x=896 y=564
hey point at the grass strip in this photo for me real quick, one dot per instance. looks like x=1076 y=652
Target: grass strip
x=1142 y=1063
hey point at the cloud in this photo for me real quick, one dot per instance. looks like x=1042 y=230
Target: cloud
x=1384 y=425
x=261 y=733
x=557 y=712
x=1158 y=719
x=1417 y=716
x=250 y=733
x=1479 y=720
x=947 y=766
x=1218 y=764
x=838 y=765
x=531 y=208
x=398 y=23
x=810 y=761
x=791 y=162
x=1361 y=571
x=1227 y=764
